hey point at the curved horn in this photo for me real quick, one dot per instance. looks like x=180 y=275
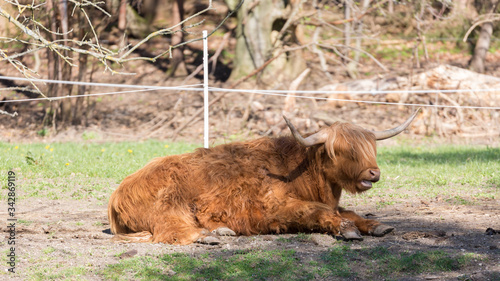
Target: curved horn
x=317 y=138
x=382 y=135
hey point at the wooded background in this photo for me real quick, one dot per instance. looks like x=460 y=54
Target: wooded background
x=272 y=44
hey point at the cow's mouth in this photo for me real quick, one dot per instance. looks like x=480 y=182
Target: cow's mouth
x=365 y=184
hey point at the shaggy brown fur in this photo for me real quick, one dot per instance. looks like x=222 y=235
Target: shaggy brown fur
x=267 y=185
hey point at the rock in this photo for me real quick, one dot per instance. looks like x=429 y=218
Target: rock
x=322 y=240
x=209 y=240
x=128 y=254
x=223 y=231
x=491 y=231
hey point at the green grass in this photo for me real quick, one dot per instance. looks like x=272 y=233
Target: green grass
x=108 y=160
x=391 y=53
x=83 y=170
x=77 y=170
x=69 y=273
x=238 y=265
x=299 y=237
x=460 y=175
x=417 y=262
x=48 y=250
x=340 y=261
x=25 y=222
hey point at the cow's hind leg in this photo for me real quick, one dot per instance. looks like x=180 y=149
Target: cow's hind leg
x=172 y=229
x=366 y=226
x=173 y=220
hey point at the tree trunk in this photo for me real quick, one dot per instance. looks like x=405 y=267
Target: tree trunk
x=65 y=75
x=259 y=24
x=253 y=35
x=122 y=15
x=138 y=17
x=483 y=42
x=347 y=29
x=461 y=5
x=77 y=115
x=177 y=66
x=52 y=67
x=481 y=49
x=359 y=30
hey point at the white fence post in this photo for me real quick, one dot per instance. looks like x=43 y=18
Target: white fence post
x=205 y=88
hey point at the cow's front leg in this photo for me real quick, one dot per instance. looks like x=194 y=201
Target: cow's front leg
x=298 y=215
x=366 y=226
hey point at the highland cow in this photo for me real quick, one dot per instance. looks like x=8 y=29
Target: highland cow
x=263 y=186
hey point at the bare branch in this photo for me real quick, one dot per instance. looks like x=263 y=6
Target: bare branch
x=37 y=41
x=23 y=69
x=357 y=18
x=480 y=20
x=88 y=3
x=7 y=113
x=289 y=20
x=20 y=89
x=166 y=31
x=24 y=6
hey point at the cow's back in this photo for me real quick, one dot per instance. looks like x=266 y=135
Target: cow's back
x=234 y=185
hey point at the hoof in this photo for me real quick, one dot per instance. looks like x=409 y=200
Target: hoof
x=349 y=231
x=352 y=235
x=223 y=231
x=381 y=230
x=209 y=240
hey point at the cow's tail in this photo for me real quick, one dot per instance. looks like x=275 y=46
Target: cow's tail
x=120 y=230
x=138 y=237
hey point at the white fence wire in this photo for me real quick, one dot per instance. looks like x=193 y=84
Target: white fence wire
x=280 y=93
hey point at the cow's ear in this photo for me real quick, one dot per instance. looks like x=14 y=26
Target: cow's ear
x=334 y=146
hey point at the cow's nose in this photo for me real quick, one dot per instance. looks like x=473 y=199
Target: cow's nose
x=375 y=175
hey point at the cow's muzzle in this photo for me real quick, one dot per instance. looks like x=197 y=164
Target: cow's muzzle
x=369 y=177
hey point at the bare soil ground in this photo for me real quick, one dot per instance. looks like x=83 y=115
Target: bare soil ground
x=58 y=234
